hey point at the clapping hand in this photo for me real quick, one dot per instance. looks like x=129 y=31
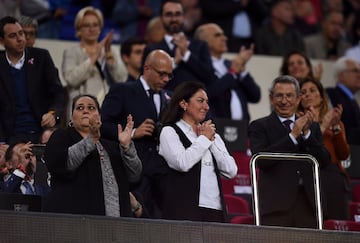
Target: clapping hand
x=207 y=129
x=303 y=123
x=94 y=127
x=124 y=136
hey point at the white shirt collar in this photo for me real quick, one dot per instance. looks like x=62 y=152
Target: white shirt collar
x=17 y=65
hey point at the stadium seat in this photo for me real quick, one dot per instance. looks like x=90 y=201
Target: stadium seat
x=342 y=225
x=236 y=205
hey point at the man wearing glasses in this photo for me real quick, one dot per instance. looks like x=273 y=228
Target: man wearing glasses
x=286 y=188
x=191 y=58
x=144 y=99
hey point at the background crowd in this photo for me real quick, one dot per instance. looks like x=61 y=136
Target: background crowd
x=152 y=105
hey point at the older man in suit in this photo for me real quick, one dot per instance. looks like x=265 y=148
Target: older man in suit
x=144 y=99
x=235 y=86
x=347 y=74
x=31 y=95
x=192 y=60
x=286 y=190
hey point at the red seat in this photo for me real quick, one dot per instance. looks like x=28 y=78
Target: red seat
x=228 y=185
x=342 y=225
x=236 y=204
x=356 y=193
x=354 y=209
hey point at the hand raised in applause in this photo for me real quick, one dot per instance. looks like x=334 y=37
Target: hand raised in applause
x=207 y=129
x=146 y=128
x=303 y=123
x=94 y=127
x=124 y=136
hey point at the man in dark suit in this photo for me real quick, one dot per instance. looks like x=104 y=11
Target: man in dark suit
x=144 y=99
x=191 y=57
x=286 y=190
x=235 y=86
x=347 y=73
x=31 y=95
x=21 y=163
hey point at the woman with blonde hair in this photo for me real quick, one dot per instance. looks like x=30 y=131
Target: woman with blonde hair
x=91 y=66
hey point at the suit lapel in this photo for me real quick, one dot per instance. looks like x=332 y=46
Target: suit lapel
x=5 y=76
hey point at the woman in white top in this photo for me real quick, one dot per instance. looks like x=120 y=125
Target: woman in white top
x=196 y=155
x=91 y=66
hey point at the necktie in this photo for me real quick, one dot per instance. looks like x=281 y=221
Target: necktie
x=287 y=125
x=152 y=101
x=28 y=188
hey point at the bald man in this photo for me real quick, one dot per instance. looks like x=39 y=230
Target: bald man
x=144 y=99
x=235 y=86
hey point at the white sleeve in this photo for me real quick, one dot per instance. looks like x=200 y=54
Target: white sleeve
x=225 y=161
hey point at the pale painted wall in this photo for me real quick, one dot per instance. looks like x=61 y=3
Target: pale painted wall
x=263 y=68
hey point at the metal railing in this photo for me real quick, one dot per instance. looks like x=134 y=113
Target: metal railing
x=290 y=157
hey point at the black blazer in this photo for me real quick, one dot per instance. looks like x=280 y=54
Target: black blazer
x=81 y=191
x=197 y=68
x=45 y=91
x=278 y=182
x=350 y=116
x=131 y=98
x=246 y=89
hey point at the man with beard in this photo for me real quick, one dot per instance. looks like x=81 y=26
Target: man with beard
x=191 y=58
x=21 y=164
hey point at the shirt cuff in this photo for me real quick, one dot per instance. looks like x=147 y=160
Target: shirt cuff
x=19 y=173
x=186 y=56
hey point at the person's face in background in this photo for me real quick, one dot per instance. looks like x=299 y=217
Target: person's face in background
x=135 y=58
x=310 y=95
x=84 y=108
x=297 y=66
x=333 y=26
x=284 y=99
x=216 y=39
x=30 y=35
x=350 y=77
x=173 y=18
x=14 y=39
x=196 y=108
x=284 y=12
x=90 y=28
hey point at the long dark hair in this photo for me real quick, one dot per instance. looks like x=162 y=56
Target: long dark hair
x=183 y=91
x=324 y=106
x=284 y=69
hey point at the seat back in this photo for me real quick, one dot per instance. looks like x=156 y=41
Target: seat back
x=236 y=205
x=342 y=225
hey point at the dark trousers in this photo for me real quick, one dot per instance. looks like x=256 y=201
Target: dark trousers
x=152 y=190
x=300 y=215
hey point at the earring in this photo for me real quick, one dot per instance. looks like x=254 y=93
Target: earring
x=70 y=124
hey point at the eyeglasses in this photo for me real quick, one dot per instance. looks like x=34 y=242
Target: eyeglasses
x=288 y=97
x=163 y=74
x=173 y=14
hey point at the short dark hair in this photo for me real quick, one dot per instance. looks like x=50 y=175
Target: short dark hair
x=126 y=46
x=168 y=1
x=4 y=21
x=76 y=98
x=183 y=91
